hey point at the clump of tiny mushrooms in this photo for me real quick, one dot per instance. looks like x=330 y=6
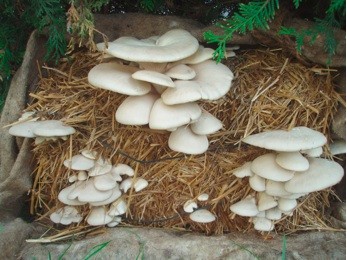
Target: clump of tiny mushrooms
x=197 y=214
x=101 y=185
x=279 y=178
x=164 y=76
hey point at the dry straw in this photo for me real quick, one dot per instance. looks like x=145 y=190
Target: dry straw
x=270 y=91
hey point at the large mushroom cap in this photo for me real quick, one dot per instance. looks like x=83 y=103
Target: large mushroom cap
x=212 y=81
x=293 y=161
x=206 y=124
x=174 y=45
x=246 y=207
x=321 y=174
x=164 y=117
x=185 y=141
x=53 y=128
x=117 y=77
x=24 y=129
x=98 y=216
x=135 y=110
x=202 y=216
x=299 y=138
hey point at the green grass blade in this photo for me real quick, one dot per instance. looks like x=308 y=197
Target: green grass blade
x=96 y=249
x=284 y=247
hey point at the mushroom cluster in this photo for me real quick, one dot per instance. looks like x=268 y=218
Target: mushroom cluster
x=280 y=177
x=26 y=126
x=197 y=214
x=100 y=184
x=164 y=76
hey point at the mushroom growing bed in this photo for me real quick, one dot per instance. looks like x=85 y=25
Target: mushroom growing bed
x=264 y=95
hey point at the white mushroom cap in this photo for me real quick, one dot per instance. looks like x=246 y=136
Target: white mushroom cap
x=243 y=171
x=73 y=178
x=24 y=129
x=102 y=166
x=126 y=184
x=314 y=152
x=140 y=184
x=299 y=138
x=276 y=189
x=116 y=193
x=206 y=124
x=64 y=193
x=257 y=183
x=82 y=175
x=153 y=77
x=117 y=78
x=53 y=128
x=189 y=206
x=115 y=221
x=273 y=214
x=287 y=204
x=266 y=202
x=119 y=207
x=105 y=182
x=164 y=117
x=294 y=196
x=266 y=167
x=79 y=162
x=203 y=197
x=262 y=224
x=65 y=215
x=98 y=216
x=201 y=55
x=181 y=71
x=246 y=207
x=174 y=45
x=292 y=161
x=212 y=81
x=135 y=110
x=86 y=192
x=321 y=174
x=202 y=216
x=185 y=141
x=338 y=147
x=123 y=169
x=89 y=154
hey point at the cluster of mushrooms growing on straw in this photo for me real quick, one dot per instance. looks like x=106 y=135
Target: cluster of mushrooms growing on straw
x=279 y=178
x=164 y=77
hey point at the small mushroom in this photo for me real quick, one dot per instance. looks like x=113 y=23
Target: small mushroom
x=189 y=206
x=98 y=217
x=115 y=222
x=243 y=171
x=266 y=202
x=203 y=197
x=119 y=207
x=292 y=161
x=202 y=216
x=79 y=162
x=246 y=207
x=262 y=224
x=206 y=124
x=102 y=166
x=257 y=183
x=66 y=216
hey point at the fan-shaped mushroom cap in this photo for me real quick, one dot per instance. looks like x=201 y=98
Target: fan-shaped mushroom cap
x=321 y=174
x=116 y=193
x=135 y=110
x=287 y=204
x=66 y=215
x=262 y=224
x=246 y=207
x=86 y=192
x=299 y=138
x=206 y=124
x=53 y=128
x=115 y=221
x=189 y=206
x=201 y=55
x=79 y=162
x=64 y=193
x=185 y=141
x=244 y=170
x=117 y=78
x=102 y=166
x=89 y=154
x=105 y=182
x=165 y=117
x=266 y=167
x=292 y=161
x=257 y=183
x=126 y=184
x=266 y=202
x=203 y=197
x=153 y=77
x=174 y=45
x=181 y=72
x=140 y=184
x=24 y=129
x=202 y=216
x=123 y=169
x=212 y=81
x=98 y=216
x=119 y=207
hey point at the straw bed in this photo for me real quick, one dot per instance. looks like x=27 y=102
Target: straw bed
x=269 y=92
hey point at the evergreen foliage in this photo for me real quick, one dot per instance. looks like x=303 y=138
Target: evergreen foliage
x=257 y=14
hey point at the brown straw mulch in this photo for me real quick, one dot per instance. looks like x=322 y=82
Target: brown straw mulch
x=270 y=91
